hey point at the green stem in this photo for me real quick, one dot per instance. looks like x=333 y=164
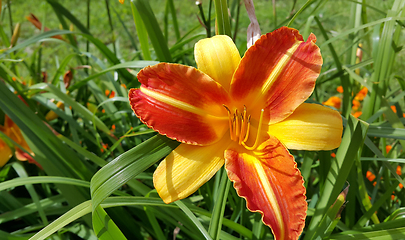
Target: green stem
x=224 y=27
x=235 y=32
x=142 y=33
x=174 y=19
x=205 y=22
x=309 y=2
x=219 y=208
x=107 y=5
x=87 y=41
x=10 y=17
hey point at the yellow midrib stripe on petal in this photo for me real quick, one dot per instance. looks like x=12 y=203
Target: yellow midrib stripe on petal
x=179 y=104
x=270 y=195
x=279 y=68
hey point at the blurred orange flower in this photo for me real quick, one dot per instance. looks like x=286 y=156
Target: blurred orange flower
x=357 y=114
x=356 y=105
x=109 y=93
x=370 y=176
x=339 y=89
x=361 y=94
x=394 y=109
x=388 y=149
x=333 y=102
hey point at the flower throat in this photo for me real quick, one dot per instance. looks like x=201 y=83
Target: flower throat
x=239 y=127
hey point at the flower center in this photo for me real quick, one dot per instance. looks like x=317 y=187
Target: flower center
x=239 y=127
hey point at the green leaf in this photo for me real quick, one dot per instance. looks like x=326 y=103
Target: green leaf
x=352 y=141
x=154 y=31
x=104 y=226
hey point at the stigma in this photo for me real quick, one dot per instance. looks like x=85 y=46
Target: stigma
x=239 y=127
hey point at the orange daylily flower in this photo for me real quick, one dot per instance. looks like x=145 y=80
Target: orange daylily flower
x=370 y=176
x=361 y=94
x=333 y=102
x=356 y=105
x=109 y=94
x=357 y=114
x=339 y=89
x=387 y=150
x=399 y=169
x=104 y=147
x=244 y=113
x=393 y=108
x=13 y=131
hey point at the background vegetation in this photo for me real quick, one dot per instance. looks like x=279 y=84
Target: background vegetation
x=64 y=83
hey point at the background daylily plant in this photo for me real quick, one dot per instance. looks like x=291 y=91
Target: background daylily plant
x=214 y=119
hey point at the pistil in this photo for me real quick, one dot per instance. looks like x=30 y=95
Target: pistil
x=259 y=129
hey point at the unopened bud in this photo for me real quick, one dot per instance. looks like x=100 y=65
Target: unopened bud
x=16 y=34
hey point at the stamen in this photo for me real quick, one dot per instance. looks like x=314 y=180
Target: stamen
x=237 y=124
x=239 y=127
x=259 y=129
x=243 y=127
x=231 y=127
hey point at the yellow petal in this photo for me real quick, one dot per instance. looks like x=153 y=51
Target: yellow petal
x=51 y=115
x=218 y=57
x=310 y=127
x=187 y=168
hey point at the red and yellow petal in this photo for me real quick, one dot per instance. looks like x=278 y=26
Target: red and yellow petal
x=181 y=102
x=5 y=153
x=13 y=131
x=279 y=72
x=187 y=168
x=310 y=127
x=218 y=57
x=270 y=182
